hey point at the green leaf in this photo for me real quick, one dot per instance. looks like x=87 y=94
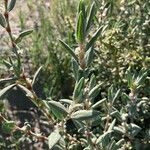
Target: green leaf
x=66 y=101
x=116 y=96
x=94 y=38
x=92 y=82
x=2 y=21
x=69 y=50
x=80 y=29
x=7 y=64
x=22 y=35
x=89 y=56
x=135 y=129
x=116 y=114
x=119 y=130
x=113 y=146
x=58 y=109
x=8 y=127
x=102 y=138
x=53 y=138
x=11 y=5
x=78 y=90
x=8 y=80
x=112 y=125
x=95 y=91
x=97 y=104
x=85 y=115
x=120 y=143
x=91 y=16
x=75 y=67
x=4 y=91
x=27 y=92
x=81 y=7
x=36 y=75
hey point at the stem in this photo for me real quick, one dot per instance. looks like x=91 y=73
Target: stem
x=81 y=56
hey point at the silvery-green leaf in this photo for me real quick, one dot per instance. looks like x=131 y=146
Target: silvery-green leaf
x=53 y=138
x=36 y=75
x=116 y=96
x=78 y=90
x=113 y=146
x=91 y=16
x=58 y=109
x=69 y=50
x=2 y=21
x=103 y=137
x=92 y=83
x=120 y=143
x=75 y=107
x=116 y=114
x=97 y=104
x=94 y=92
x=119 y=130
x=11 y=5
x=23 y=34
x=6 y=90
x=66 y=101
x=85 y=114
x=75 y=67
x=27 y=92
x=8 y=80
x=89 y=56
x=135 y=129
x=94 y=38
x=112 y=125
x=80 y=29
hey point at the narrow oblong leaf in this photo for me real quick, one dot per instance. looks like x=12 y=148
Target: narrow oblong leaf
x=36 y=75
x=89 y=56
x=103 y=137
x=2 y=21
x=113 y=146
x=119 y=130
x=81 y=7
x=6 y=90
x=53 y=138
x=69 y=50
x=8 y=80
x=112 y=125
x=58 y=109
x=66 y=101
x=92 y=82
x=94 y=38
x=91 y=16
x=120 y=143
x=11 y=5
x=116 y=96
x=80 y=30
x=85 y=115
x=75 y=67
x=95 y=91
x=27 y=92
x=23 y=34
x=97 y=104
x=78 y=91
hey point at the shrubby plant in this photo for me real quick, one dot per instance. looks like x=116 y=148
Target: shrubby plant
x=112 y=121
